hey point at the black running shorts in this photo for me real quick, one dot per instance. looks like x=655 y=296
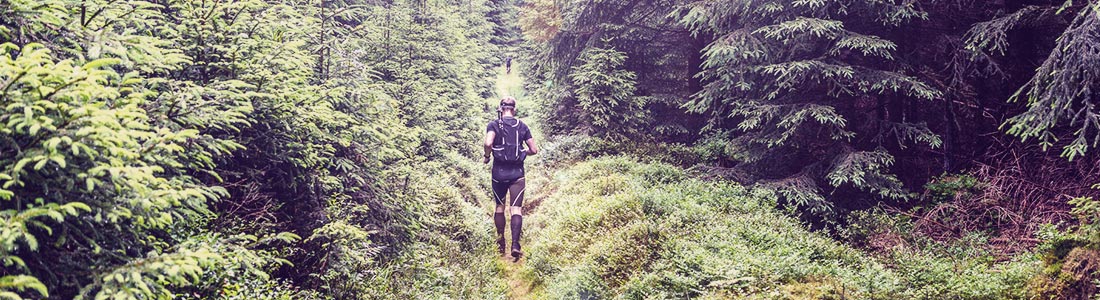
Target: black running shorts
x=509 y=192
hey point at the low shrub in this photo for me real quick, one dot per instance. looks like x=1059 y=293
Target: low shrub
x=1071 y=258
x=618 y=228
x=563 y=150
x=949 y=186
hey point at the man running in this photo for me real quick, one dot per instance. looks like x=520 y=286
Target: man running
x=505 y=139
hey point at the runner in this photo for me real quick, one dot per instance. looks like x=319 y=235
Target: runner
x=506 y=138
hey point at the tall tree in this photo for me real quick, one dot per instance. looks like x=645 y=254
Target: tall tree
x=657 y=50
x=807 y=96
x=1064 y=92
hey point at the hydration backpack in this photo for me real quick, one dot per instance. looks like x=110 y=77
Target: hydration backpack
x=507 y=147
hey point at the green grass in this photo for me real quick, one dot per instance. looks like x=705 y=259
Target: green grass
x=617 y=228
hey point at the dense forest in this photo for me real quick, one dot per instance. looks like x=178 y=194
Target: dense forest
x=713 y=149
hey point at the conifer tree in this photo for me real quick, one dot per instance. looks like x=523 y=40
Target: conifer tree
x=565 y=36
x=796 y=97
x=1064 y=93
x=605 y=95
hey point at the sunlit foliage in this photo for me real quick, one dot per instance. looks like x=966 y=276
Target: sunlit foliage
x=156 y=149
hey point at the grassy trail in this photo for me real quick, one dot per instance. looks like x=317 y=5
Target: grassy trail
x=509 y=84
x=519 y=288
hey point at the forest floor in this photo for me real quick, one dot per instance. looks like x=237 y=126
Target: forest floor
x=519 y=287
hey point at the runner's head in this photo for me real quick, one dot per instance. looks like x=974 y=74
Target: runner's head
x=508 y=104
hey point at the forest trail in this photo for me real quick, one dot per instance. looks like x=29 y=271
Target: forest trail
x=519 y=287
x=511 y=84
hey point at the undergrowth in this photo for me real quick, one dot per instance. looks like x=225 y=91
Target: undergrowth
x=622 y=229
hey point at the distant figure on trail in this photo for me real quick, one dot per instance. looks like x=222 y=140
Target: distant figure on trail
x=508 y=64
x=509 y=141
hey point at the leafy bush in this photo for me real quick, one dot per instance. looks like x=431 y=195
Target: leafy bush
x=1071 y=258
x=1087 y=211
x=947 y=187
x=563 y=150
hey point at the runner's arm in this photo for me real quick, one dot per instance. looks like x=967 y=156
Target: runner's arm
x=489 y=136
x=532 y=149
